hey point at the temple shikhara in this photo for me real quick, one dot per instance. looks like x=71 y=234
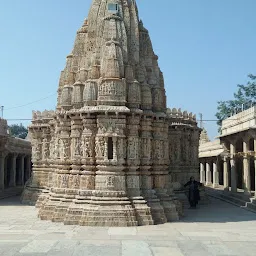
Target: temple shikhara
x=111 y=154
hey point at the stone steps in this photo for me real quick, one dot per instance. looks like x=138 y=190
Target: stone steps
x=245 y=202
x=252 y=204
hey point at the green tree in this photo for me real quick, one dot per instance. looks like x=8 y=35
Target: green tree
x=18 y=131
x=243 y=98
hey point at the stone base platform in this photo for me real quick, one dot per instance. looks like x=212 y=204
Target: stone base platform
x=86 y=208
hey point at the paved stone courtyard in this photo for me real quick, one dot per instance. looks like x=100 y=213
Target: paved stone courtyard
x=216 y=229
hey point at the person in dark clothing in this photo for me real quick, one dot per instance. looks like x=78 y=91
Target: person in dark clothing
x=193 y=194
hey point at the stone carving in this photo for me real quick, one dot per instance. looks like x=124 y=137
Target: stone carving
x=64 y=149
x=100 y=147
x=45 y=149
x=133 y=148
x=111 y=138
x=87 y=147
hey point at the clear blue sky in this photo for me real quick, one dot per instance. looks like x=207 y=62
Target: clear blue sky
x=205 y=49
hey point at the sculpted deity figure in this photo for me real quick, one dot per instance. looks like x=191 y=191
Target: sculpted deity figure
x=51 y=149
x=110 y=181
x=45 y=148
x=100 y=147
x=157 y=150
x=66 y=149
x=125 y=148
x=77 y=147
x=57 y=148
x=131 y=148
x=36 y=150
x=64 y=183
x=120 y=149
x=162 y=149
x=87 y=147
x=77 y=181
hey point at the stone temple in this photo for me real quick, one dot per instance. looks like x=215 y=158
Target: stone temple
x=111 y=154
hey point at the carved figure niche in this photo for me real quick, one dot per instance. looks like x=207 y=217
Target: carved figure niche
x=110 y=148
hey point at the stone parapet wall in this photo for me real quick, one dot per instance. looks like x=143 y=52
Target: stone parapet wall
x=239 y=122
x=210 y=149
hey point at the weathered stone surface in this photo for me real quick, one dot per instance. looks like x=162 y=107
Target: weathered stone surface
x=109 y=153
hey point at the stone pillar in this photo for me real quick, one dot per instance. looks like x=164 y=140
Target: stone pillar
x=115 y=149
x=246 y=168
x=28 y=168
x=2 y=168
x=13 y=171
x=202 y=173
x=233 y=168
x=106 y=149
x=21 y=171
x=215 y=174
x=225 y=174
x=208 y=174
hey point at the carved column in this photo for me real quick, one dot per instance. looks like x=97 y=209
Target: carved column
x=2 y=168
x=146 y=155
x=233 y=168
x=160 y=170
x=225 y=174
x=76 y=149
x=108 y=201
x=13 y=171
x=87 y=181
x=202 y=173
x=55 y=207
x=115 y=149
x=208 y=174
x=82 y=178
x=146 y=184
x=215 y=174
x=133 y=156
x=246 y=168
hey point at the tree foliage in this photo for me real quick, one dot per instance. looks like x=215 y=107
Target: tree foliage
x=18 y=131
x=243 y=99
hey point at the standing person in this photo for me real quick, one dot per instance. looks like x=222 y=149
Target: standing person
x=193 y=195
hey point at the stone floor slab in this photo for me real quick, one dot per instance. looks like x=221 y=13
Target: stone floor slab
x=36 y=246
x=166 y=251
x=95 y=250
x=138 y=248
x=218 y=229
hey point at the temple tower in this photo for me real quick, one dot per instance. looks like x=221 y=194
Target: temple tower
x=102 y=158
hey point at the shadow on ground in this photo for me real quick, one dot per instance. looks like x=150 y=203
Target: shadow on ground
x=218 y=211
x=12 y=201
